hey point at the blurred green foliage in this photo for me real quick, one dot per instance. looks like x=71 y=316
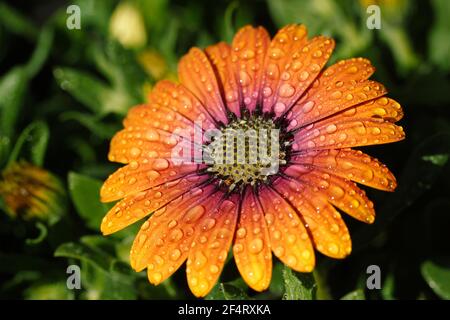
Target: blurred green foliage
x=64 y=93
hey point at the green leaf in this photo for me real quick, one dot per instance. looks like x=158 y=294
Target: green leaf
x=41 y=51
x=227 y=291
x=121 y=68
x=92 y=122
x=437 y=274
x=85 y=253
x=43 y=231
x=387 y=289
x=229 y=27
x=298 y=286
x=31 y=144
x=438 y=44
x=85 y=194
x=437 y=159
x=48 y=290
x=17 y=23
x=91 y=92
x=355 y=295
x=4 y=149
x=13 y=87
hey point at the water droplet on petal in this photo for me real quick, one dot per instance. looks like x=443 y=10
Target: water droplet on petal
x=200 y=260
x=331 y=128
x=193 y=214
x=208 y=224
x=160 y=164
x=286 y=90
x=256 y=245
x=308 y=106
x=279 y=107
x=267 y=92
x=175 y=254
x=241 y=232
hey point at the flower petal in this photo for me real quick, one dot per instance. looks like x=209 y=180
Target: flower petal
x=289 y=238
x=381 y=108
x=345 y=73
x=142 y=175
x=292 y=64
x=178 y=98
x=196 y=74
x=329 y=232
x=339 y=132
x=327 y=100
x=220 y=56
x=252 y=251
x=350 y=164
x=136 y=144
x=340 y=192
x=138 y=206
x=249 y=49
x=164 y=240
x=210 y=249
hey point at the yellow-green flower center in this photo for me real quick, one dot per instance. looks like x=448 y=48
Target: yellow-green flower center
x=246 y=151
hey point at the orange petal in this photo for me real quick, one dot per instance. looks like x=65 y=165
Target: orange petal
x=135 y=144
x=180 y=100
x=292 y=64
x=342 y=76
x=220 y=56
x=155 y=116
x=210 y=249
x=196 y=74
x=249 y=49
x=329 y=232
x=164 y=240
x=351 y=164
x=339 y=132
x=381 y=108
x=289 y=238
x=252 y=251
x=139 y=176
x=330 y=99
x=342 y=193
x=138 y=206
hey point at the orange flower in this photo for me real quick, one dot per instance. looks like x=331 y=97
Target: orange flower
x=200 y=209
x=31 y=192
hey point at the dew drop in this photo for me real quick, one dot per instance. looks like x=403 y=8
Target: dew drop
x=213 y=269
x=279 y=107
x=331 y=128
x=286 y=90
x=308 y=106
x=238 y=248
x=333 y=248
x=256 y=246
x=152 y=135
x=272 y=71
x=303 y=75
x=160 y=164
x=208 y=224
x=241 y=232
x=176 y=235
x=152 y=175
x=336 y=94
x=279 y=251
x=200 y=260
x=175 y=254
x=156 y=277
x=193 y=214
